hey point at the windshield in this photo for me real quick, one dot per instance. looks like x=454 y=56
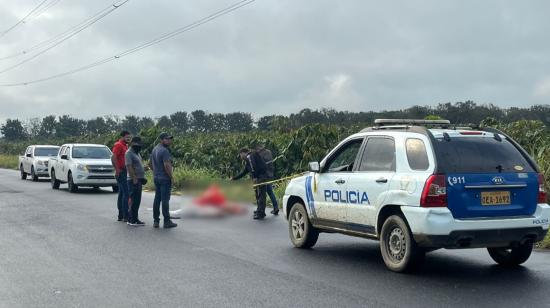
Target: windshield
x=91 y=152
x=479 y=155
x=46 y=152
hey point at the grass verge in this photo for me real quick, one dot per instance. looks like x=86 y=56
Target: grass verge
x=9 y=162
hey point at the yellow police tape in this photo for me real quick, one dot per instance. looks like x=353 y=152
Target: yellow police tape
x=286 y=178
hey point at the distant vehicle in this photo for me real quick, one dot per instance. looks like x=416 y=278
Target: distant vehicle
x=420 y=185
x=34 y=161
x=82 y=165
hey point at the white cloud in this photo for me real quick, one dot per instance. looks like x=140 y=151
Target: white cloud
x=542 y=88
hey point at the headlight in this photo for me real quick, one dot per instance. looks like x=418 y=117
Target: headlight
x=82 y=167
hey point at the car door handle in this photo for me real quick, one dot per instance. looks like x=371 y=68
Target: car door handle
x=340 y=181
x=382 y=180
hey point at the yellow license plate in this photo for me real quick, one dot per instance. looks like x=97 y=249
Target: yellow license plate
x=495 y=198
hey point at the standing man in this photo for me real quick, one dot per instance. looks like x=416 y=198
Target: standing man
x=136 y=179
x=118 y=161
x=267 y=156
x=255 y=165
x=161 y=163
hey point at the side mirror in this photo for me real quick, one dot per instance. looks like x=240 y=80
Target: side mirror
x=64 y=156
x=314 y=166
x=29 y=155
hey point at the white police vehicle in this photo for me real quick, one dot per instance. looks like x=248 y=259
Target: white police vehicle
x=421 y=185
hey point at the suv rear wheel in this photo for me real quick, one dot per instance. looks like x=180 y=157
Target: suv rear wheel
x=510 y=257
x=302 y=233
x=399 y=250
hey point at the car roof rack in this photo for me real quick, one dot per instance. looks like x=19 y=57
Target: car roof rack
x=408 y=122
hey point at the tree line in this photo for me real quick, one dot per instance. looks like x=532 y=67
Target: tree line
x=200 y=121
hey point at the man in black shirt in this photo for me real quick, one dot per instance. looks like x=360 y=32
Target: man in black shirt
x=256 y=166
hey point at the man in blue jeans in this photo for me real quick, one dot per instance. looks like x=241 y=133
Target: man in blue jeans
x=161 y=163
x=267 y=156
x=118 y=161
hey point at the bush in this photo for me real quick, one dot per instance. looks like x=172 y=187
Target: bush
x=9 y=162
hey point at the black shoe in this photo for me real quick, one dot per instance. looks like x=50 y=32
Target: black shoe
x=139 y=223
x=175 y=217
x=169 y=224
x=275 y=212
x=156 y=224
x=258 y=216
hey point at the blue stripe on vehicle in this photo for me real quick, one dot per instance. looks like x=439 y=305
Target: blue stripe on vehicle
x=309 y=196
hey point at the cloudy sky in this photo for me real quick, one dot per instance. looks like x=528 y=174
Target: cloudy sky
x=278 y=56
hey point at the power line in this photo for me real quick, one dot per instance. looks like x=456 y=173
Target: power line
x=85 y=23
x=93 y=21
x=23 y=19
x=47 y=7
x=149 y=43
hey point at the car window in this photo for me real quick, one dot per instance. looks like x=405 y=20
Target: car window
x=91 y=152
x=45 y=152
x=479 y=155
x=416 y=154
x=379 y=155
x=344 y=158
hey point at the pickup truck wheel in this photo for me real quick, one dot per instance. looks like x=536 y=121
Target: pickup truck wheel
x=302 y=233
x=72 y=187
x=510 y=257
x=33 y=175
x=23 y=174
x=399 y=250
x=115 y=188
x=54 y=181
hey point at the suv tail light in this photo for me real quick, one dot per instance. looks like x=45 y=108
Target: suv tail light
x=435 y=192
x=542 y=191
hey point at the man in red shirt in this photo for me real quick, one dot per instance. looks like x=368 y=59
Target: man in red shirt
x=118 y=160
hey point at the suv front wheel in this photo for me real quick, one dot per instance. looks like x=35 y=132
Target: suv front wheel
x=510 y=257
x=399 y=250
x=302 y=233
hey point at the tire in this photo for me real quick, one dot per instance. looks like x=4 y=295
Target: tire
x=115 y=189
x=33 y=175
x=511 y=257
x=398 y=247
x=72 y=187
x=55 y=183
x=302 y=233
x=23 y=174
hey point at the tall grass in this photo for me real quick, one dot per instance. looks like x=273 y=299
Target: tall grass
x=9 y=162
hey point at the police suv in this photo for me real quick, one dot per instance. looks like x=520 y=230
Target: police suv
x=421 y=185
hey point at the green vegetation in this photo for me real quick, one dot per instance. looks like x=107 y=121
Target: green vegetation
x=9 y=161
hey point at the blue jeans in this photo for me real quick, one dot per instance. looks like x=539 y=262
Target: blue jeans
x=123 y=195
x=163 y=189
x=272 y=196
x=135 y=191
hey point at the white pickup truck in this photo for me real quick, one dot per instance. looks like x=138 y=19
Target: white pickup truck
x=34 y=161
x=82 y=165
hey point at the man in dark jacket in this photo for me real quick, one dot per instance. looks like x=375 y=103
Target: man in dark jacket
x=255 y=165
x=267 y=156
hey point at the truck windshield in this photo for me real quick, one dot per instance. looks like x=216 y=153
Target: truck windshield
x=479 y=155
x=45 y=152
x=91 y=152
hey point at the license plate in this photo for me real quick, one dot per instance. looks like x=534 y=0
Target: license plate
x=495 y=198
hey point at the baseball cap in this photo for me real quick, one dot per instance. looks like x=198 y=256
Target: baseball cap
x=137 y=141
x=163 y=136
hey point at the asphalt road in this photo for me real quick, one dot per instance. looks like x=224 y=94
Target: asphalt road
x=59 y=249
